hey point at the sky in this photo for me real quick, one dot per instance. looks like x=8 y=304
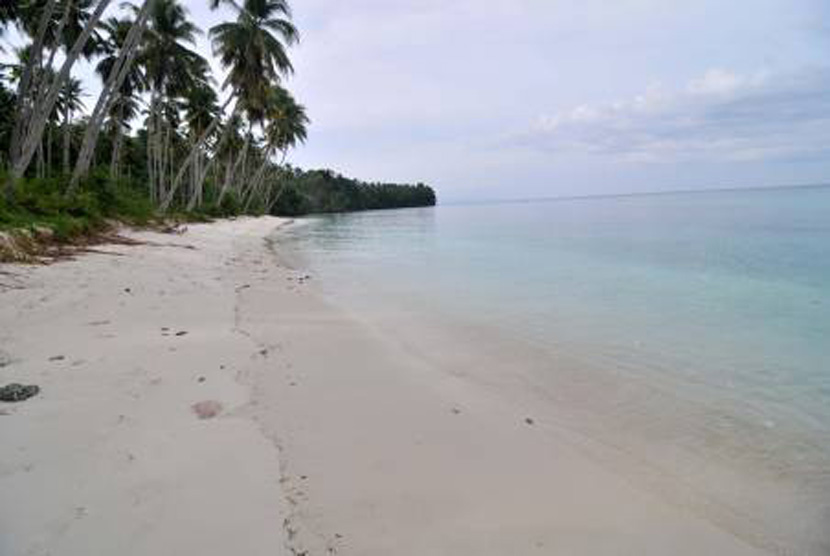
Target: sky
x=495 y=99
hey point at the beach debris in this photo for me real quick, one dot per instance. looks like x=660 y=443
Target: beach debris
x=456 y=411
x=201 y=379
x=57 y=358
x=98 y=323
x=243 y=287
x=529 y=420
x=128 y=290
x=181 y=332
x=176 y=229
x=15 y=392
x=207 y=409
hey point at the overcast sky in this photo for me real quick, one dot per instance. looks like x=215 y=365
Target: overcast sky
x=516 y=98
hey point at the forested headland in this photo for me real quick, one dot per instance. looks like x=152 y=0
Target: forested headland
x=164 y=136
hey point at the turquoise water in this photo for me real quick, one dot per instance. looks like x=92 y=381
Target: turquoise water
x=720 y=298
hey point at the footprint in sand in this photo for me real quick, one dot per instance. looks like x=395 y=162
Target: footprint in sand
x=207 y=409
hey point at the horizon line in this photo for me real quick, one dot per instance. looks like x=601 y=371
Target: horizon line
x=590 y=196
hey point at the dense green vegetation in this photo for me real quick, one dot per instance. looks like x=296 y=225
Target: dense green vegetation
x=325 y=191
x=161 y=138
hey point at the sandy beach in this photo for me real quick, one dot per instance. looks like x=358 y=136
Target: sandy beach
x=201 y=396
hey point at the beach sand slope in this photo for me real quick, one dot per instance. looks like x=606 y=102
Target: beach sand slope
x=199 y=396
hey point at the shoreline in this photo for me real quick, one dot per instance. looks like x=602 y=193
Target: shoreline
x=331 y=438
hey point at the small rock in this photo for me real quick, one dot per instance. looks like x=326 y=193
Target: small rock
x=456 y=411
x=207 y=409
x=181 y=332
x=18 y=392
x=128 y=290
x=529 y=421
x=57 y=358
x=201 y=379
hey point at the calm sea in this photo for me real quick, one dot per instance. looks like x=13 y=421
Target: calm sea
x=688 y=330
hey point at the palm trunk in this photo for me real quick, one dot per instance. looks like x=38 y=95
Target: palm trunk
x=22 y=103
x=257 y=179
x=42 y=110
x=40 y=161
x=111 y=92
x=49 y=140
x=149 y=148
x=115 y=163
x=199 y=144
x=67 y=139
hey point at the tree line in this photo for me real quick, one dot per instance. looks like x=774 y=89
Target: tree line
x=318 y=191
x=162 y=133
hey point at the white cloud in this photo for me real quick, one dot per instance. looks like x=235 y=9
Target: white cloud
x=720 y=116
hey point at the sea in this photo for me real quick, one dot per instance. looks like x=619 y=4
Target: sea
x=681 y=338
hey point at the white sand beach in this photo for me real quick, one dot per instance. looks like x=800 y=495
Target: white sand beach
x=313 y=433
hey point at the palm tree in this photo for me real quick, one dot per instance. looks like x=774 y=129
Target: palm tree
x=124 y=105
x=201 y=109
x=171 y=68
x=35 y=98
x=126 y=43
x=287 y=121
x=66 y=23
x=253 y=50
x=69 y=102
x=287 y=126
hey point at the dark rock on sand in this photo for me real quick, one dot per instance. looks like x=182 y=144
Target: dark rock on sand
x=18 y=392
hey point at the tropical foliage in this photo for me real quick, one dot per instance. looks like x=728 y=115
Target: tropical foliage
x=163 y=134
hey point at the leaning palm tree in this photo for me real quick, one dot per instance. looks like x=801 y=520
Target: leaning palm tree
x=124 y=106
x=201 y=109
x=170 y=67
x=287 y=126
x=69 y=102
x=36 y=98
x=253 y=49
x=287 y=121
x=120 y=70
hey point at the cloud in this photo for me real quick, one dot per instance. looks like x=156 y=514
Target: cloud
x=721 y=116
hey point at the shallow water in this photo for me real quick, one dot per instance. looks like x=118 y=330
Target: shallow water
x=685 y=329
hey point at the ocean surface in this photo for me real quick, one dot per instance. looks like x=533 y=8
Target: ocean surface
x=688 y=333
